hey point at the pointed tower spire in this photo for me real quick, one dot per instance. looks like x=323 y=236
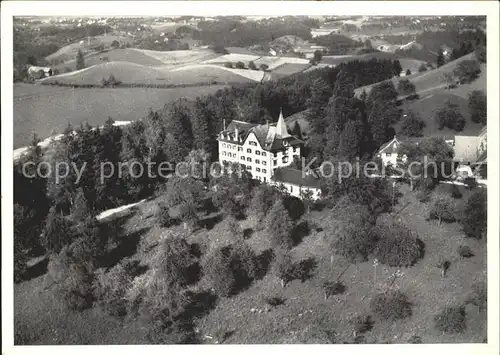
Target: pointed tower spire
x=281 y=129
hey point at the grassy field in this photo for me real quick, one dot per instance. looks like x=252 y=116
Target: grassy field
x=136 y=74
x=129 y=55
x=427 y=106
x=87 y=45
x=305 y=315
x=289 y=69
x=49 y=109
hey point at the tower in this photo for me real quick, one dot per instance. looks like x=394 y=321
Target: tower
x=281 y=129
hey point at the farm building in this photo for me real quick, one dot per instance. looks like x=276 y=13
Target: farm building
x=39 y=72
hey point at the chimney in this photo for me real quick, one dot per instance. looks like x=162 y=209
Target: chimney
x=224 y=124
x=236 y=136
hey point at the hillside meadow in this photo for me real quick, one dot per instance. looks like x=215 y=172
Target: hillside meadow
x=431 y=80
x=136 y=74
x=305 y=316
x=47 y=110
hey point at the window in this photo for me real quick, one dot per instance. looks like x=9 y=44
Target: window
x=264 y=171
x=257 y=170
x=264 y=178
x=223 y=145
x=264 y=154
x=275 y=162
x=249 y=167
x=240 y=149
x=253 y=143
x=291 y=188
x=257 y=152
x=285 y=159
x=249 y=150
x=264 y=162
x=242 y=157
x=275 y=155
x=257 y=161
x=387 y=154
x=223 y=153
x=249 y=159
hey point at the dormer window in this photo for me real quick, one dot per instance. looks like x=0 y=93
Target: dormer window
x=253 y=143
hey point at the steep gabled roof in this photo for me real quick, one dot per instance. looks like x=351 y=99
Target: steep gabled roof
x=390 y=147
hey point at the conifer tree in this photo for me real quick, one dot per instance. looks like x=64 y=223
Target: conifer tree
x=279 y=225
x=80 y=60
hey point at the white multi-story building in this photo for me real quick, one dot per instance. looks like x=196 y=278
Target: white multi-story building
x=261 y=149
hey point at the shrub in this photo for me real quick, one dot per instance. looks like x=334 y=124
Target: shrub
x=110 y=288
x=274 y=301
x=20 y=260
x=412 y=125
x=284 y=267
x=481 y=54
x=252 y=66
x=455 y=192
x=478 y=296
x=240 y=65
x=465 y=251
x=396 y=245
x=111 y=81
x=443 y=209
x=229 y=268
x=406 y=87
x=362 y=324
x=228 y=65
x=450 y=117
x=264 y=67
x=73 y=276
x=279 y=226
x=172 y=260
x=58 y=232
x=424 y=195
x=391 y=305
x=333 y=288
x=478 y=106
x=415 y=339
x=451 y=320
x=474 y=216
x=422 y=68
x=163 y=217
x=467 y=71
x=353 y=238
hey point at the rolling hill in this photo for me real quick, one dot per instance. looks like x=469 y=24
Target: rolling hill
x=129 y=55
x=86 y=45
x=136 y=74
x=431 y=81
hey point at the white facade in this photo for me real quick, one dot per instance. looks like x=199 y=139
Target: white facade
x=298 y=191
x=258 y=161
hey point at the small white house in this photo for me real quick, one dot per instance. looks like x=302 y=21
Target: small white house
x=39 y=72
x=388 y=153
